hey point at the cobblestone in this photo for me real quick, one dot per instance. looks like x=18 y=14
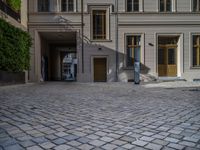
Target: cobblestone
x=176 y=146
x=99 y=116
x=62 y=147
x=140 y=143
x=47 y=145
x=153 y=146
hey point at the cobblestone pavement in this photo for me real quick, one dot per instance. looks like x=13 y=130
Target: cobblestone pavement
x=101 y=116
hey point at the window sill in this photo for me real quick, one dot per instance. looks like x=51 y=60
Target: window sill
x=101 y=40
x=133 y=12
x=128 y=68
x=195 y=68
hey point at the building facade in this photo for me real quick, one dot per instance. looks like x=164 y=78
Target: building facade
x=95 y=41
x=16 y=18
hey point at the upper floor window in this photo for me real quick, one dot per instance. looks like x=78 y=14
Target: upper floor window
x=132 y=5
x=67 y=5
x=133 y=43
x=196 y=51
x=43 y=5
x=196 y=5
x=165 y=5
x=99 y=24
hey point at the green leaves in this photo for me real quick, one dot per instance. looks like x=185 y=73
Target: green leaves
x=14 y=48
x=14 y=4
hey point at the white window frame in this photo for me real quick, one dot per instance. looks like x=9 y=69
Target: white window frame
x=173 y=7
x=139 y=6
x=74 y=6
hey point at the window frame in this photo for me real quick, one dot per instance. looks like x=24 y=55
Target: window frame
x=165 y=6
x=192 y=51
x=67 y=6
x=132 y=1
x=107 y=24
x=127 y=46
x=198 y=6
x=40 y=2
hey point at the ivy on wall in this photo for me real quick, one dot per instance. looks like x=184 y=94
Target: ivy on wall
x=14 y=4
x=14 y=48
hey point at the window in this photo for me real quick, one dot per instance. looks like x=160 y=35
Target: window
x=196 y=5
x=196 y=51
x=132 y=5
x=43 y=5
x=67 y=5
x=99 y=24
x=165 y=5
x=133 y=42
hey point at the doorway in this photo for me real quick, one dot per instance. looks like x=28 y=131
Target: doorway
x=167 y=56
x=68 y=66
x=100 y=69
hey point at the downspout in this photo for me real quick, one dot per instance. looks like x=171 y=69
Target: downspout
x=82 y=36
x=27 y=25
x=116 y=41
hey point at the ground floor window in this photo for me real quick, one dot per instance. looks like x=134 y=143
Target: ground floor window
x=133 y=43
x=196 y=51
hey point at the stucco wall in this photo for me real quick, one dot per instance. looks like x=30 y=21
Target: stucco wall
x=148 y=23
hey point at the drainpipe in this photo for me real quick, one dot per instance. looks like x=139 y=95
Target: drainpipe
x=27 y=25
x=116 y=40
x=82 y=36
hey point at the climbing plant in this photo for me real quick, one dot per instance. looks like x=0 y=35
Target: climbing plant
x=14 y=48
x=14 y=4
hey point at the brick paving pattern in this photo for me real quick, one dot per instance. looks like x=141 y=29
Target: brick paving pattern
x=99 y=116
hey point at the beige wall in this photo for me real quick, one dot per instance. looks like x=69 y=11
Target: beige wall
x=24 y=11
x=148 y=23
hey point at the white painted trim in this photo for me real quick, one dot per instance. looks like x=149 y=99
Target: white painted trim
x=173 y=6
x=191 y=5
x=141 y=5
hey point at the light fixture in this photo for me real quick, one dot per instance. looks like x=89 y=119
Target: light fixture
x=150 y=44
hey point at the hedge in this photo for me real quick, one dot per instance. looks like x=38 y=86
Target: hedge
x=14 y=48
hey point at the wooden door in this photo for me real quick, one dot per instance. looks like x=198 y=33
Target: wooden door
x=100 y=70
x=172 y=61
x=167 y=61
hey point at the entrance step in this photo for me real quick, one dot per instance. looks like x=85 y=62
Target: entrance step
x=170 y=79
x=147 y=78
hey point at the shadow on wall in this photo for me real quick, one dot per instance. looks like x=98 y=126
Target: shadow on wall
x=125 y=74
x=93 y=50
